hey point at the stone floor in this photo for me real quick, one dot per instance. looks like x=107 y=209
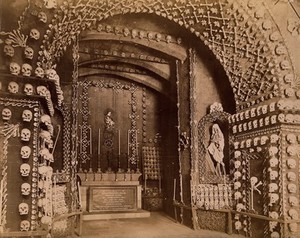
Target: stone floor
x=155 y=226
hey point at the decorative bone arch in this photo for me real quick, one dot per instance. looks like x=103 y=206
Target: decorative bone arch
x=243 y=39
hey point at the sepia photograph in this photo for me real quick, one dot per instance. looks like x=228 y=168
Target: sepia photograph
x=150 y=118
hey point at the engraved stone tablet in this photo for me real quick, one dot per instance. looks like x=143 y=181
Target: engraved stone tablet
x=113 y=198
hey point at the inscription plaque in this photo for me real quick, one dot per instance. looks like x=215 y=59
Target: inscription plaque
x=113 y=198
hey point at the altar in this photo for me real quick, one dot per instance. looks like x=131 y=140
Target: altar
x=111 y=195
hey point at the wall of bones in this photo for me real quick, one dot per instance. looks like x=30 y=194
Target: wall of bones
x=201 y=97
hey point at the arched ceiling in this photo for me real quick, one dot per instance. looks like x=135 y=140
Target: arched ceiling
x=244 y=39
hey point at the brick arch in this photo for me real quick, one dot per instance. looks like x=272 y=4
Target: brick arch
x=246 y=41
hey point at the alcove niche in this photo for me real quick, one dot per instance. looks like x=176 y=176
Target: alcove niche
x=154 y=80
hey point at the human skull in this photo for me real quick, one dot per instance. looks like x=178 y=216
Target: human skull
x=126 y=31
x=291 y=138
x=28 y=52
x=291 y=150
x=274 y=138
x=237 y=164
x=25 y=189
x=237 y=154
x=273 y=175
x=273 y=187
x=293 y=201
x=272 y=106
x=274 y=234
x=279 y=50
x=46 y=119
x=255 y=123
x=236 y=145
x=25 y=152
x=258 y=110
x=273 y=151
x=237 y=175
x=42 y=90
x=13 y=87
x=289 y=118
x=274 y=197
x=168 y=38
x=14 y=68
x=34 y=34
x=273 y=119
x=255 y=141
x=42 y=17
x=108 y=29
x=141 y=34
x=158 y=37
x=25 y=134
x=23 y=208
x=9 y=50
x=51 y=74
x=39 y=72
x=28 y=89
x=292 y=188
x=273 y=162
x=293 y=214
x=245 y=128
x=24 y=225
x=285 y=65
x=264 y=109
x=26 y=70
x=234 y=129
x=25 y=169
x=293 y=227
x=274 y=215
x=267 y=121
x=253 y=112
x=6 y=114
x=27 y=115
x=291 y=176
x=236 y=185
x=261 y=122
x=250 y=125
x=238 y=225
x=248 y=143
x=291 y=163
x=240 y=207
x=237 y=195
x=263 y=140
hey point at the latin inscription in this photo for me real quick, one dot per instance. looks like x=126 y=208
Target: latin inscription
x=113 y=199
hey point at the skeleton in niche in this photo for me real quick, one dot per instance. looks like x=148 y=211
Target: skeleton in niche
x=215 y=149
